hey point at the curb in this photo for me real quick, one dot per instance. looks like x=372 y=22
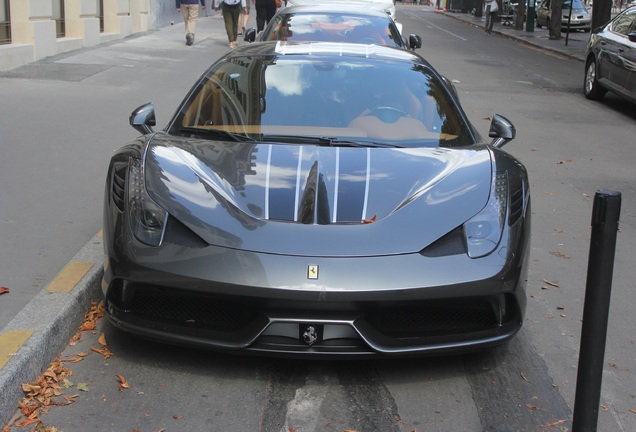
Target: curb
x=41 y=330
x=526 y=40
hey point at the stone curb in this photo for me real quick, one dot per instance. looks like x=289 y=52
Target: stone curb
x=51 y=318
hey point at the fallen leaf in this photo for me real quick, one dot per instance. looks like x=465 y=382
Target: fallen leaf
x=4 y=290
x=123 y=384
x=177 y=417
x=102 y=340
x=560 y=255
x=368 y=221
x=551 y=283
x=560 y=307
x=532 y=407
x=82 y=386
x=556 y=423
x=614 y=365
x=104 y=351
x=632 y=411
x=604 y=408
x=563 y=316
x=524 y=377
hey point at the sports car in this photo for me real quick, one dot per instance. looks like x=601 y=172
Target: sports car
x=318 y=199
x=334 y=23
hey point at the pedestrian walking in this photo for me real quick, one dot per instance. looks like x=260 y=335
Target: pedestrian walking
x=190 y=10
x=491 y=8
x=231 y=10
x=244 y=18
x=265 y=11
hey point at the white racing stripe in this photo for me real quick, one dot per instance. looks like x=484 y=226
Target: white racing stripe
x=366 y=185
x=296 y=203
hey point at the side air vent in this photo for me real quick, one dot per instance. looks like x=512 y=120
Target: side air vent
x=451 y=244
x=118 y=184
x=516 y=200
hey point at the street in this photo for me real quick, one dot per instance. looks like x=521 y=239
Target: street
x=55 y=153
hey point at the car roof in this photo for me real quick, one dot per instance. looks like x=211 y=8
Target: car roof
x=343 y=49
x=333 y=8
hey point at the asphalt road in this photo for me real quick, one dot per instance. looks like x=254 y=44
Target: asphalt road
x=572 y=147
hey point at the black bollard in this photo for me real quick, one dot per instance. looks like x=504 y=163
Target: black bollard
x=605 y=214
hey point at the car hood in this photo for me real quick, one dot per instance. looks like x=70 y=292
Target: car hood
x=323 y=201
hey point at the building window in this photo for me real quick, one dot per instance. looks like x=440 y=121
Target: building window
x=5 y=22
x=58 y=16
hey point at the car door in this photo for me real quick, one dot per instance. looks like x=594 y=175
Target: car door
x=542 y=13
x=621 y=54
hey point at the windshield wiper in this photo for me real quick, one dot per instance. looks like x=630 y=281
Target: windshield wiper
x=218 y=133
x=326 y=141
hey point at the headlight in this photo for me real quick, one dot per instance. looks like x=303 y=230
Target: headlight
x=147 y=219
x=483 y=232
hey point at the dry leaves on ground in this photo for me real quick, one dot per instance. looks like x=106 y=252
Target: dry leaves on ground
x=40 y=395
x=123 y=384
x=46 y=391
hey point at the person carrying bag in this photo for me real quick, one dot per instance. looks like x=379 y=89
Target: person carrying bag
x=231 y=10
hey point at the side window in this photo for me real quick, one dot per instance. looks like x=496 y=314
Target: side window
x=623 y=23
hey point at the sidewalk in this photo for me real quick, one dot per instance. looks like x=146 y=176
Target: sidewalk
x=576 y=40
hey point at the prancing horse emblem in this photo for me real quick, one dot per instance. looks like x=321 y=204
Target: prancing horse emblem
x=310 y=336
x=312 y=271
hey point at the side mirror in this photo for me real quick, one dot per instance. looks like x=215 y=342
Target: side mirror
x=250 y=35
x=143 y=118
x=632 y=36
x=502 y=130
x=415 y=42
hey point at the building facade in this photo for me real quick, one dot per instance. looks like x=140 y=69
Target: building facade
x=31 y=30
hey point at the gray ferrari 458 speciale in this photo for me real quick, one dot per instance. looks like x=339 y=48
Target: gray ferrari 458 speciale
x=318 y=199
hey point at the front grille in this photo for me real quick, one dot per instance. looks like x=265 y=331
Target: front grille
x=435 y=318
x=189 y=309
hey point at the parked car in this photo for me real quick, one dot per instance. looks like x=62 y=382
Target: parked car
x=385 y=6
x=333 y=23
x=581 y=18
x=318 y=199
x=611 y=58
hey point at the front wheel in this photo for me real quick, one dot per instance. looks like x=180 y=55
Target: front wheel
x=591 y=87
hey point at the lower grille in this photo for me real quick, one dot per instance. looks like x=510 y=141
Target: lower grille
x=435 y=318
x=199 y=311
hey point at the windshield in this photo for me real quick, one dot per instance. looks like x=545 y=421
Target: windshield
x=576 y=4
x=333 y=27
x=340 y=100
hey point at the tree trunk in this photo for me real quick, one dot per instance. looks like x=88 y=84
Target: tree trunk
x=520 y=15
x=556 y=9
x=479 y=6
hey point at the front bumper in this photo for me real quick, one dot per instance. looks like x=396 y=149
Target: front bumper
x=399 y=305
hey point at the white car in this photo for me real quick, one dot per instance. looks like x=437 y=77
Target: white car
x=387 y=6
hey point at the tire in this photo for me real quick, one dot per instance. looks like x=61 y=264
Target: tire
x=591 y=87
